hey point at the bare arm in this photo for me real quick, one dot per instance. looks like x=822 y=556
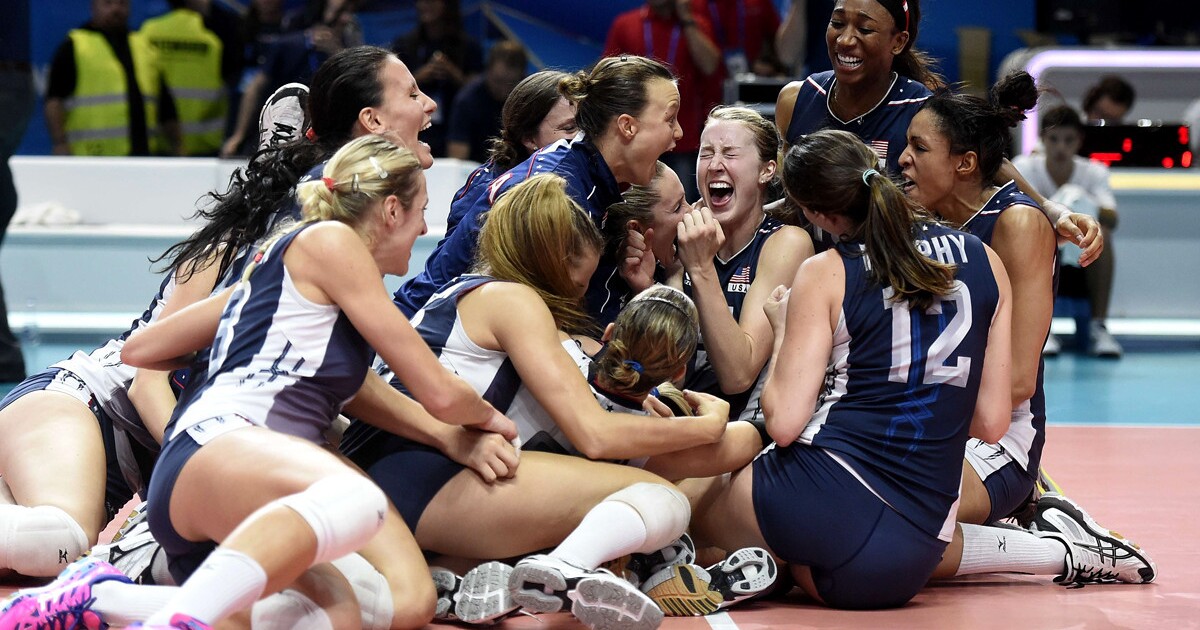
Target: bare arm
x=56 y=123
x=150 y=392
x=993 y=411
x=1024 y=242
x=785 y=106
x=511 y=317
x=1079 y=229
x=738 y=349
x=794 y=382
x=705 y=53
x=171 y=342
x=792 y=36
x=737 y=448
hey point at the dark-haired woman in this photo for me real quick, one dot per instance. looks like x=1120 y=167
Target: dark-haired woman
x=899 y=339
x=956 y=144
x=535 y=115
x=627 y=108
x=878 y=83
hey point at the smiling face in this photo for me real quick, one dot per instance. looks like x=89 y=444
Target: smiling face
x=580 y=268
x=927 y=164
x=862 y=40
x=405 y=110
x=654 y=131
x=559 y=124
x=667 y=213
x=409 y=225
x=732 y=178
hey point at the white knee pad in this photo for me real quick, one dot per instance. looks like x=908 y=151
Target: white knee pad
x=288 y=610
x=663 y=509
x=344 y=511
x=39 y=541
x=372 y=590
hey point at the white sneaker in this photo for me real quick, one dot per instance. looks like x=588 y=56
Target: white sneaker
x=1103 y=344
x=134 y=551
x=688 y=590
x=478 y=597
x=284 y=117
x=1053 y=346
x=600 y=600
x=1094 y=554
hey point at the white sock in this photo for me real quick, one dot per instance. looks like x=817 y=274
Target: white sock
x=121 y=603
x=39 y=541
x=226 y=582
x=1000 y=550
x=610 y=530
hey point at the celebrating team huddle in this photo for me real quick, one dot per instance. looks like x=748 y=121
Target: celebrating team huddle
x=660 y=406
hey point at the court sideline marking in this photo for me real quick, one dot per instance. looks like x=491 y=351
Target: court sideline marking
x=721 y=621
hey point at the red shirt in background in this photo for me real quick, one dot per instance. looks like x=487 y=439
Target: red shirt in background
x=642 y=32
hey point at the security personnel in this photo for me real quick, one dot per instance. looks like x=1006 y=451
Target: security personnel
x=191 y=57
x=106 y=93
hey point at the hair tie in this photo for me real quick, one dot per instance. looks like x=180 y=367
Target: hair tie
x=354 y=183
x=329 y=183
x=633 y=365
x=866 y=175
x=311 y=135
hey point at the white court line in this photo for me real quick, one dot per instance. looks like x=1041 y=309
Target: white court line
x=721 y=621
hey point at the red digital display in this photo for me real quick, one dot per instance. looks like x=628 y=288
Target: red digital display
x=1144 y=145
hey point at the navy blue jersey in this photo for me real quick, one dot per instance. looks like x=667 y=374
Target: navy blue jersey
x=1027 y=433
x=455 y=253
x=735 y=275
x=278 y=360
x=884 y=128
x=589 y=182
x=901 y=386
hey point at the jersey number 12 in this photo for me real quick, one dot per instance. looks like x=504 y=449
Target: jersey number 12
x=935 y=368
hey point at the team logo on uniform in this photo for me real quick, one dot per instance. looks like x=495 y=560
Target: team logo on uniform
x=740 y=281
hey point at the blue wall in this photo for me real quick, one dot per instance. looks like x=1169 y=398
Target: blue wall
x=583 y=22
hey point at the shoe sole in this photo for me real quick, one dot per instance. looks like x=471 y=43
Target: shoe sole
x=446 y=583
x=747 y=572
x=483 y=596
x=686 y=592
x=539 y=588
x=604 y=603
x=1147 y=573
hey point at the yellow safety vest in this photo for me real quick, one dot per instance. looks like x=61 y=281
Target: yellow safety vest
x=98 y=113
x=191 y=60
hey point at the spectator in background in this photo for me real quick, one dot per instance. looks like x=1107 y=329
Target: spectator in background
x=106 y=94
x=16 y=105
x=1061 y=174
x=745 y=32
x=330 y=26
x=478 y=106
x=800 y=39
x=671 y=32
x=444 y=58
x=1108 y=101
x=197 y=65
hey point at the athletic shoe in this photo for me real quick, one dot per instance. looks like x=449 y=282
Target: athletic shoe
x=638 y=567
x=479 y=597
x=178 y=622
x=135 y=553
x=64 y=603
x=1103 y=344
x=1094 y=554
x=137 y=517
x=600 y=600
x=1053 y=346
x=688 y=590
x=284 y=117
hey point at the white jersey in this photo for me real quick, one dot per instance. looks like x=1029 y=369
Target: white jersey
x=1091 y=176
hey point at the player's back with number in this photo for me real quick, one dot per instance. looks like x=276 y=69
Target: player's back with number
x=902 y=385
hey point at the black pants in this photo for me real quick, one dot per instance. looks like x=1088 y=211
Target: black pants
x=16 y=105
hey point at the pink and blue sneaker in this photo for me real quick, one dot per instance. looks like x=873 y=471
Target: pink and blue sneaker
x=178 y=622
x=64 y=603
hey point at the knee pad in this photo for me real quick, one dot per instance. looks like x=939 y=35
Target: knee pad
x=287 y=610
x=663 y=509
x=372 y=590
x=344 y=511
x=39 y=541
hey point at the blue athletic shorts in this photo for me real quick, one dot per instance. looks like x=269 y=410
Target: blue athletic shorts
x=409 y=473
x=183 y=556
x=117 y=491
x=813 y=512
